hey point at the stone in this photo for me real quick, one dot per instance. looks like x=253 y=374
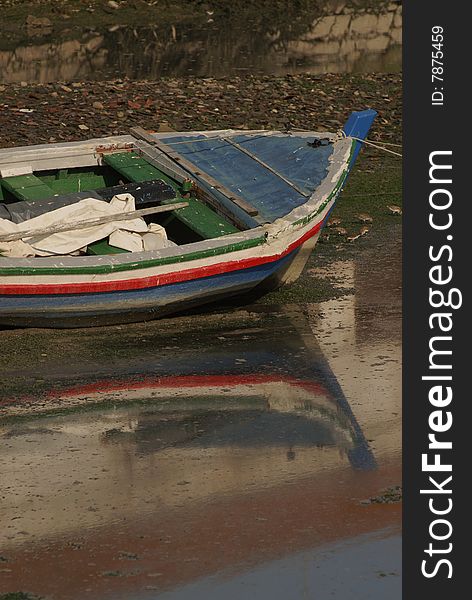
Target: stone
x=95 y=43
x=396 y=35
x=331 y=47
x=37 y=26
x=340 y=26
x=32 y=21
x=339 y=6
x=347 y=46
x=384 y=22
x=378 y=44
x=321 y=28
x=364 y=24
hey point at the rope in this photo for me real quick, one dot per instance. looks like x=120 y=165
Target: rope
x=376 y=146
x=341 y=135
x=260 y=133
x=389 y=143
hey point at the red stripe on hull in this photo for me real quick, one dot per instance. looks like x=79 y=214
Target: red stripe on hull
x=174 y=381
x=188 y=381
x=156 y=280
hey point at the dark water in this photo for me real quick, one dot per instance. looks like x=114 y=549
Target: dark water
x=329 y=37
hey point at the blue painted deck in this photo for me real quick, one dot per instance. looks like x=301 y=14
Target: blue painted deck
x=290 y=155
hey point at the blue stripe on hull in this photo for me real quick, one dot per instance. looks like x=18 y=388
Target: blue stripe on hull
x=133 y=305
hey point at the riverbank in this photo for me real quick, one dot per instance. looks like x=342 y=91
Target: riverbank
x=44 y=42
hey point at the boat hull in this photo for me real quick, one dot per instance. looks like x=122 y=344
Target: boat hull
x=107 y=308
x=66 y=291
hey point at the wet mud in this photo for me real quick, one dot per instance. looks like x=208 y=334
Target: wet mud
x=188 y=456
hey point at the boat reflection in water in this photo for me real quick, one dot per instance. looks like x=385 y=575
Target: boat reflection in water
x=144 y=483
x=240 y=411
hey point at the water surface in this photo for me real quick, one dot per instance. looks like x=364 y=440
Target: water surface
x=327 y=37
x=209 y=455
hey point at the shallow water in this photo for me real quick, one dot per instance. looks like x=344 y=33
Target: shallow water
x=326 y=38
x=366 y=568
x=212 y=455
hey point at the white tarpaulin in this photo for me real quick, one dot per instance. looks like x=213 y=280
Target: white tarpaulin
x=133 y=234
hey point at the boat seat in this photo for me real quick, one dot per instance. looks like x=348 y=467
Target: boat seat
x=27 y=187
x=197 y=216
x=71 y=184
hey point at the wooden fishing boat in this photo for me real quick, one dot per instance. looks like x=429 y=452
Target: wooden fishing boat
x=240 y=211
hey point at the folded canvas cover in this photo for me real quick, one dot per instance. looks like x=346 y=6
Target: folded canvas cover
x=132 y=234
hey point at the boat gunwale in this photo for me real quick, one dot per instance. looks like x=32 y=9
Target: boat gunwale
x=339 y=166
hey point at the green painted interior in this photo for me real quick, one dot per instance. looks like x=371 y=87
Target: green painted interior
x=26 y=187
x=198 y=217
x=67 y=181
x=190 y=224
x=103 y=247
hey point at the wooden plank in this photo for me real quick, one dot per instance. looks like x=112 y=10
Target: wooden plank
x=121 y=160
x=27 y=187
x=72 y=184
x=199 y=217
x=196 y=171
x=15 y=171
x=48 y=157
x=161 y=162
x=204 y=221
x=142 y=134
x=132 y=166
x=126 y=216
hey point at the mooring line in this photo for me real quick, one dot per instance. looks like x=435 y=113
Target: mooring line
x=369 y=143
